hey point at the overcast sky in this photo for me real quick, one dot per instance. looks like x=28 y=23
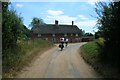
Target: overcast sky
x=81 y=12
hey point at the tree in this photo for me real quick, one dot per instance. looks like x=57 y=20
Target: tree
x=109 y=27
x=82 y=32
x=12 y=27
x=97 y=34
x=36 y=22
x=88 y=34
x=26 y=32
x=13 y=30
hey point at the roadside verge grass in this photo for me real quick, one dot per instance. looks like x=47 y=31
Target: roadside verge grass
x=91 y=53
x=22 y=55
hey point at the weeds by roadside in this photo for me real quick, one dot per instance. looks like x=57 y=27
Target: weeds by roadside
x=22 y=55
x=91 y=53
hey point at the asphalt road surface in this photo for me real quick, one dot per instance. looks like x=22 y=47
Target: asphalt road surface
x=54 y=63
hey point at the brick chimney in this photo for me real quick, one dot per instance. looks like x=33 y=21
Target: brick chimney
x=72 y=23
x=56 y=22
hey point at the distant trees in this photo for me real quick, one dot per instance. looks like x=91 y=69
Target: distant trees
x=109 y=28
x=36 y=22
x=82 y=32
x=88 y=34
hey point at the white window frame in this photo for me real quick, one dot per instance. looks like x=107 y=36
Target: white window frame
x=65 y=35
x=76 y=34
x=39 y=35
x=53 y=35
x=46 y=38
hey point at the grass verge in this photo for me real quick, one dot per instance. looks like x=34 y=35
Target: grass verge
x=91 y=53
x=22 y=55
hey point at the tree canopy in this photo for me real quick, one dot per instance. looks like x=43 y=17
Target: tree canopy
x=36 y=22
x=109 y=28
x=13 y=28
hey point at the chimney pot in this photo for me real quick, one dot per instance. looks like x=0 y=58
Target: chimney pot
x=72 y=23
x=56 y=22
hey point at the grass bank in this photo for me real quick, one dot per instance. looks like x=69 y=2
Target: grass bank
x=91 y=53
x=22 y=55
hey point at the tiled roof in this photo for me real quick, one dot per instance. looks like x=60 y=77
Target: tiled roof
x=55 y=29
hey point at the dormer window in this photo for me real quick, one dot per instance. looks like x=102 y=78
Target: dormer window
x=71 y=34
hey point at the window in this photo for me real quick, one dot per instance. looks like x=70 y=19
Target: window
x=65 y=34
x=53 y=35
x=77 y=39
x=39 y=35
x=71 y=34
x=76 y=34
x=46 y=38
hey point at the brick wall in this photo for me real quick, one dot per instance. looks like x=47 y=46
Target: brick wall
x=56 y=37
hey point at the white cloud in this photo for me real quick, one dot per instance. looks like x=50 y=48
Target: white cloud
x=55 y=12
x=58 y=15
x=92 y=2
x=82 y=17
x=19 y=5
x=64 y=19
x=87 y=25
x=53 y=0
x=47 y=0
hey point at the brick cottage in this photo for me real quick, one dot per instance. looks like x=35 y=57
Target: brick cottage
x=53 y=32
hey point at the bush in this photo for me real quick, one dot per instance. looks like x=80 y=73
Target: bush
x=92 y=52
x=22 y=54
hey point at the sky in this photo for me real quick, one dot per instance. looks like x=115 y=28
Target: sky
x=82 y=13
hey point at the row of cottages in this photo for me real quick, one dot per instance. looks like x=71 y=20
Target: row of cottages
x=53 y=32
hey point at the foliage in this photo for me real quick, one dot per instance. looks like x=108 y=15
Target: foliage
x=12 y=25
x=109 y=27
x=82 y=32
x=88 y=34
x=13 y=31
x=13 y=28
x=26 y=32
x=97 y=34
x=36 y=22
x=26 y=50
x=91 y=53
x=15 y=41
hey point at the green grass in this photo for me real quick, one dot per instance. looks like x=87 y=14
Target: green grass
x=22 y=55
x=92 y=50
x=91 y=53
